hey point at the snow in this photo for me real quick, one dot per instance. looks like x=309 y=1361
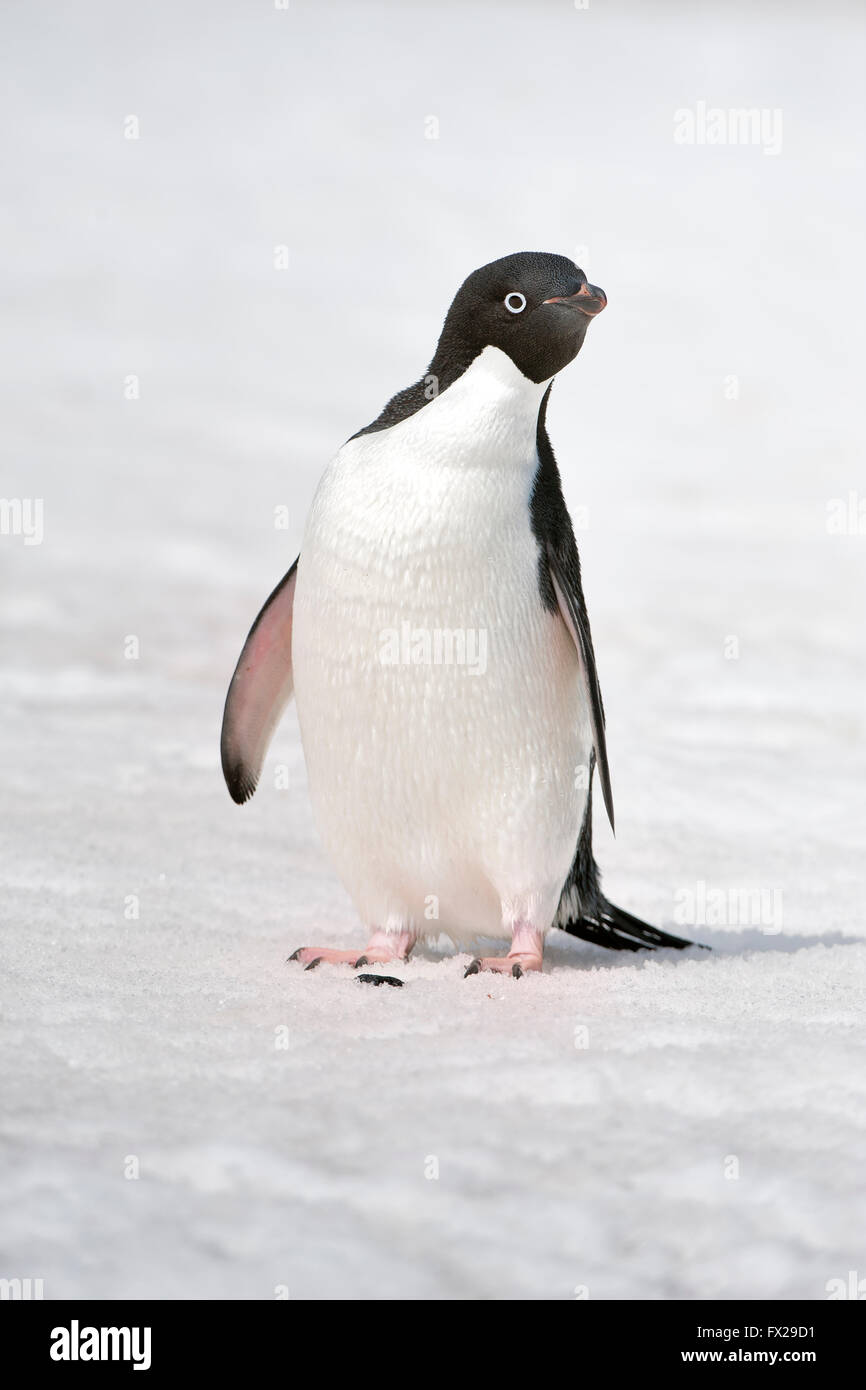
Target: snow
x=589 y=1124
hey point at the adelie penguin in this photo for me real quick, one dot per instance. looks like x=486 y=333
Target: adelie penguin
x=434 y=632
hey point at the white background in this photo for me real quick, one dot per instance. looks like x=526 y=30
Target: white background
x=601 y=1167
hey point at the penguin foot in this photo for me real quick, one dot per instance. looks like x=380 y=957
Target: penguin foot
x=527 y=953
x=311 y=956
x=382 y=946
x=516 y=965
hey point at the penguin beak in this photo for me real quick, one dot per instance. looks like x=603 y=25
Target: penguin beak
x=590 y=300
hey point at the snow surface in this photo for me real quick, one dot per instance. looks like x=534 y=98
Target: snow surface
x=586 y=1123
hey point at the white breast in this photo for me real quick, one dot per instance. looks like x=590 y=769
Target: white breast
x=440 y=704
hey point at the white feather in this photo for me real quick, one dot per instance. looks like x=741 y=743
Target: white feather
x=449 y=796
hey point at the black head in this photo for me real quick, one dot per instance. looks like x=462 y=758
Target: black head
x=536 y=307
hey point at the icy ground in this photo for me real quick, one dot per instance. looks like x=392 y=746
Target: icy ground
x=653 y=1127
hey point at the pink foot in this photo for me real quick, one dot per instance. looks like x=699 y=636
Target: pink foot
x=311 y=956
x=527 y=950
x=381 y=947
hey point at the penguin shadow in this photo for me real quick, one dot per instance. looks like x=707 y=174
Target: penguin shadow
x=709 y=945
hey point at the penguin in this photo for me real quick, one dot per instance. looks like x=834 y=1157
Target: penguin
x=434 y=633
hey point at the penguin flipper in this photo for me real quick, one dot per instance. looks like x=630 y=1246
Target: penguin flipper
x=260 y=689
x=561 y=587
x=569 y=598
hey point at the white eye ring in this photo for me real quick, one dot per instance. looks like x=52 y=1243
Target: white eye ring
x=519 y=306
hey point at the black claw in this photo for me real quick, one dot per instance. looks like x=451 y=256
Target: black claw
x=380 y=980
x=516 y=970
x=472 y=969
x=362 y=960
x=294 y=955
x=313 y=963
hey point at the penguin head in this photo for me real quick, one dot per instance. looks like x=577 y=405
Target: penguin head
x=534 y=306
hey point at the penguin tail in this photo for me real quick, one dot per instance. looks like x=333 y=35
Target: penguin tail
x=613 y=927
x=584 y=911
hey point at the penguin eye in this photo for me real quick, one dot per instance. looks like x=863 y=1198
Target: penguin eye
x=515 y=302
